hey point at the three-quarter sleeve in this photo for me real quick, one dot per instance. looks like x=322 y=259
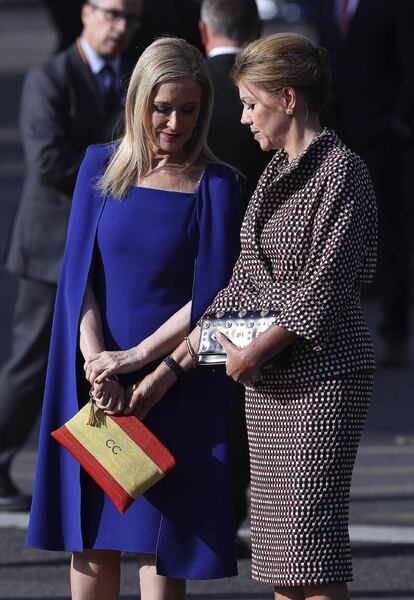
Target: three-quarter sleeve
x=344 y=233
x=240 y=292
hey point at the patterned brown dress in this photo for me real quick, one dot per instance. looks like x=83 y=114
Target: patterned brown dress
x=308 y=245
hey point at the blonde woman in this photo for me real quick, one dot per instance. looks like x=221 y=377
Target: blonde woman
x=153 y=237
x=308 y=245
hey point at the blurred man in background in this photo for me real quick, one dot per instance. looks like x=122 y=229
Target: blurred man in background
x=75 y=99
x=371 y=46
x=66 y=18
x=226 y=26
x=168 y=17
x=178 y=17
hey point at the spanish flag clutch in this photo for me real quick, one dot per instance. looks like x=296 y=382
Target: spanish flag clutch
x=119 y=453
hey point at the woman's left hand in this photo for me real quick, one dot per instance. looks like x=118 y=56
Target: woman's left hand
x=99 y=367
x=239 y=365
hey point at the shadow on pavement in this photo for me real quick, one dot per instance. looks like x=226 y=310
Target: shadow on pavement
x=12 y=83
x=60 y=562
x=382 y=498
x=228 y=596
x=376 y=551
x=391 y=594
x=52 y=562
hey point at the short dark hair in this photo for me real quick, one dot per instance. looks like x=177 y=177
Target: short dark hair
x=236 y=20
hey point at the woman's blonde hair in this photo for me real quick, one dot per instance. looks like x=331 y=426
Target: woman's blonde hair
x=286 y=60
x=164 y=60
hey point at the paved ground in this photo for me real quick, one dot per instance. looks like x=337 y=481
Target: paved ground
x=382 y=507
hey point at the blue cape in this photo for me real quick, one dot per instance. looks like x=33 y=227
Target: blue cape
x=204 y=550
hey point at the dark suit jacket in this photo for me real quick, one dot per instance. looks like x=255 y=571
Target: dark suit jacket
x=61 y=114
x=164 y=17
x=373 y=73
x=231 y=141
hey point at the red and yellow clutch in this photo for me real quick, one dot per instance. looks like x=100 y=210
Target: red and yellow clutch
x=119 y=453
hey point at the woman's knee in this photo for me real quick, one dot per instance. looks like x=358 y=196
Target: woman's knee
x=90 y=561
x=330 y=591
x=289 y=593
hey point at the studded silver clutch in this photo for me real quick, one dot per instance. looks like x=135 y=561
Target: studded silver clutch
x=240 y=327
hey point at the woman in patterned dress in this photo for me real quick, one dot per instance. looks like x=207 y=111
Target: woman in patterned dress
x=308 y=245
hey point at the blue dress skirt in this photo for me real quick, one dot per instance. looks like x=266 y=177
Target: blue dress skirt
x=143 y=273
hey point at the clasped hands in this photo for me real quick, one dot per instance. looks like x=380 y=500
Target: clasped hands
x=138 y=399
x=109 y=395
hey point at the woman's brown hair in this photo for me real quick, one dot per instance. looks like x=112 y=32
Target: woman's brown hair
x=286 y=60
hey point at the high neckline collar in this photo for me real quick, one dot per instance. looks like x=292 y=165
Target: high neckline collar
x=280 y=161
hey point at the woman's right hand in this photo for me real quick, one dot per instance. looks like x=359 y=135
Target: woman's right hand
x=98 y=367
x=109 y=396
x=143 y=396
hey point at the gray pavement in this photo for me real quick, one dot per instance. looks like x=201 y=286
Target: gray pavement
x=382 y=506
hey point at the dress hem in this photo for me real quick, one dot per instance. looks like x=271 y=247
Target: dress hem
x=301 y=582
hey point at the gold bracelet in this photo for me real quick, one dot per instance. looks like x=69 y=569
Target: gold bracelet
x=191 y=352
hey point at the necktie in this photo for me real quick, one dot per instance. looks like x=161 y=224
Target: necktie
x=343 y=18
x=108 y=88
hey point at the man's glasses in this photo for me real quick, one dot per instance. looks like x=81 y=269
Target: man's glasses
x=112 y=15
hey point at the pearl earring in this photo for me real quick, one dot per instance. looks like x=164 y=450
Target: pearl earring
x=289 y=111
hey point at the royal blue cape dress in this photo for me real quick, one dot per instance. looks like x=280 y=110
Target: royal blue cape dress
x=146 y=257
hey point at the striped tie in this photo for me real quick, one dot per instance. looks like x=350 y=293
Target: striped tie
x=107 y=86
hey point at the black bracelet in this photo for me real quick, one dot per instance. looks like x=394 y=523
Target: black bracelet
x=174 y=366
